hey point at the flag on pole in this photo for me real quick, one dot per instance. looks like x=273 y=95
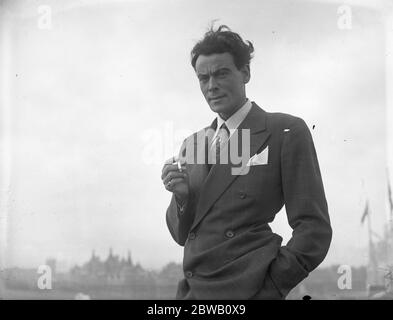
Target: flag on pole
x=365 y=213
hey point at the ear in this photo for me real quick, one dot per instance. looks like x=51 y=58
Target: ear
x=246 y=73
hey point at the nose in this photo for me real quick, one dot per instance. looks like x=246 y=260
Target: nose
x=212 y=84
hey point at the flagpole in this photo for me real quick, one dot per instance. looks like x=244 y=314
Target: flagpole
x=389 y=226
x=369 y=227
x=372 y=259
x=390 y=205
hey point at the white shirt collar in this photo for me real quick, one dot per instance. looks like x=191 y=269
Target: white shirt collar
x=236 y=119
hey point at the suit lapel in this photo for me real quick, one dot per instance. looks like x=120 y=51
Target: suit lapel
x=198 y=170
x=220 y=177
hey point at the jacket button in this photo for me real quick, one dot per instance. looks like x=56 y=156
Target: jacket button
x=242 y=195
x=191 y=236
x=189 y=274
x=229 y=233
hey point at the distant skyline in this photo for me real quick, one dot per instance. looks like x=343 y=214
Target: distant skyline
x=96 y=103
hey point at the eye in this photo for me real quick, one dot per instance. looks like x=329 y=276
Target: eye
x=222 y=73
x=203 y=78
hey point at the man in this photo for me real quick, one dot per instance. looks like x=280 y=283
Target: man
x=221 y=218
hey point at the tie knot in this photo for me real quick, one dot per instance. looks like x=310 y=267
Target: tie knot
x=224 y=129
x=222 y=135
x=224 y=126
x=218 y=143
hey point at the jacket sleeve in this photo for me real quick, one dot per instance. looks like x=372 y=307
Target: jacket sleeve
x=306 y=207
x=179 y=219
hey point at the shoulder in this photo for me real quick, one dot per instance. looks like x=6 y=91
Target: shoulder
x=281 y=121
x=288 y=129
x=278 y=121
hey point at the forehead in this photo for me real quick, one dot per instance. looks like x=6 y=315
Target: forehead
x=210 y=63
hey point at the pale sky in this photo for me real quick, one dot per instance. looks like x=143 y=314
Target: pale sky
x=99 y=100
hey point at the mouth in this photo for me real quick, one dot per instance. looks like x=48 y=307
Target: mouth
x=215 y=99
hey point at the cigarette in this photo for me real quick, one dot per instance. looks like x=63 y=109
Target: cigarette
x=175 y=160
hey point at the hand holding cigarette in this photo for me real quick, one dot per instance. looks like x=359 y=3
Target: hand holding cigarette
x=175 y=179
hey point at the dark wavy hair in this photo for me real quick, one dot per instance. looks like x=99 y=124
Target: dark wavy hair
x=223 y=40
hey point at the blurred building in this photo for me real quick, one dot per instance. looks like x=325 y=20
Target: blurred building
x=112 y=271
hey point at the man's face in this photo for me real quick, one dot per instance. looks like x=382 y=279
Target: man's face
x=222 y=84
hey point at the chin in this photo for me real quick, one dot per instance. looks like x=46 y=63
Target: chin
x=218 y=108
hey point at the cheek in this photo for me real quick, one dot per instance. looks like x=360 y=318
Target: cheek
x=228 y=86
x=203 y=89
x=235 y=83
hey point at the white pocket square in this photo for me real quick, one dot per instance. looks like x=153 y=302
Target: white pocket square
x=259 y=158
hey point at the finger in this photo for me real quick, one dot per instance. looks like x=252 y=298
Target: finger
x=167 y=168
x=173 y=175
x=169 y=178
x=167 y=162
x=172 y=184
x=176 y=181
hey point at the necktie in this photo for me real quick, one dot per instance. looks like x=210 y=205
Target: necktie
x=217 y=144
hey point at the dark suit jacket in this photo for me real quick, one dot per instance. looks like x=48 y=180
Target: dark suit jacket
x=230 y=251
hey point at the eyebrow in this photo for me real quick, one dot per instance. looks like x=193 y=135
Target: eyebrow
x=214 y=72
